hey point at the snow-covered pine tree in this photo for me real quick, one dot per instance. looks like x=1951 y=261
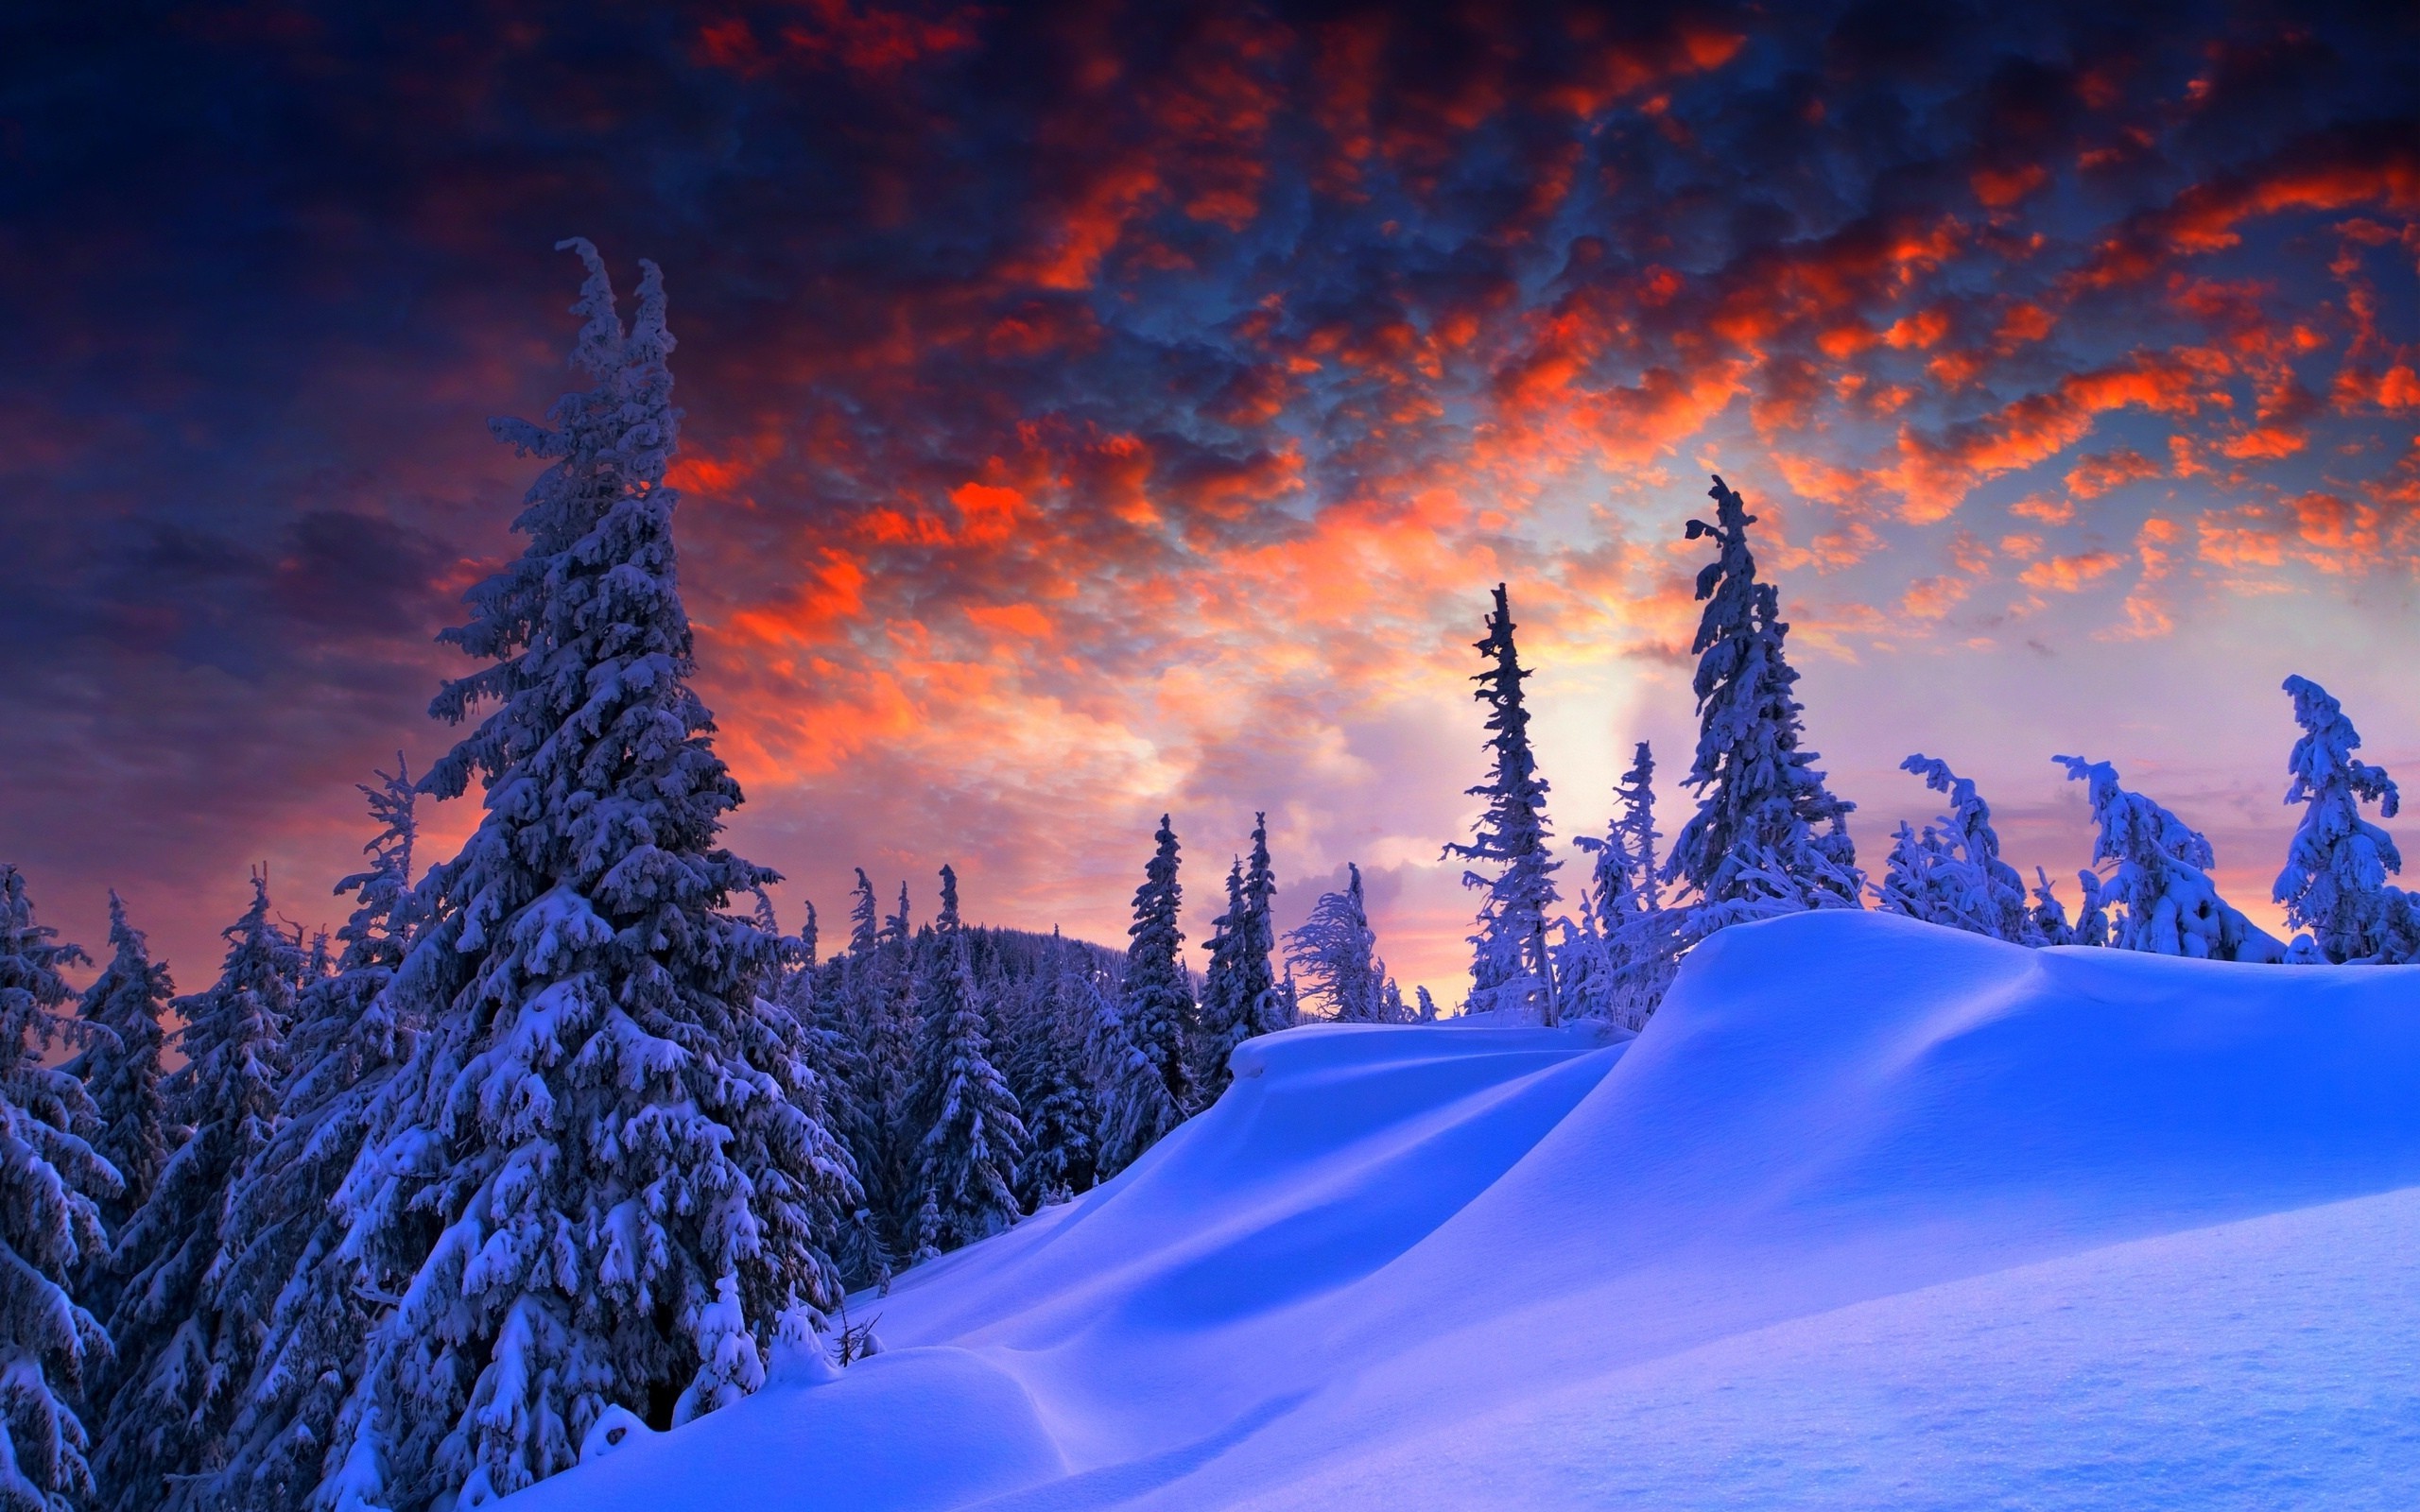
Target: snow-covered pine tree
x=2334 y=883
x=1222 y=1010
x=1913 y=880
x=1267 y=1010
x=948 y=921
x=1336 y=953
x=888 y=1033
x=2092 y=915
x=1061 y=1115
x=120 y=1068
x=183 y=1349
x=1145 y=1073
x=2164 y=901
x=864 y=932
x=612 y=1144
x=971 y=1135
x=1584 y=969
x=49 y=1225
x=1627 y=945
x=1427 y=1005
x=1511 y=962
x=1160 y=1015
x=1249 y=1003
x=1954 y=876
x=285 y=1259
x=866 y=1002
x=2046 y=918
x=811 y=998
x=1767 y=835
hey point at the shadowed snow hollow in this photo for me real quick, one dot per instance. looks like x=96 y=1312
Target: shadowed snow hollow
x=1874 y=1214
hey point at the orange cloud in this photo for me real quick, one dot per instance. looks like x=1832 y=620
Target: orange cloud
x=2097 y=474
x=2068 y=574
x=1934 y=475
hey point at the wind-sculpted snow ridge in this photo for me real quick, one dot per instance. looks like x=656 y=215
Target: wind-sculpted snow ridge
x=1873 y=1213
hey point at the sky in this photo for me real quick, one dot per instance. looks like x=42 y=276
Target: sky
x=1097 y=411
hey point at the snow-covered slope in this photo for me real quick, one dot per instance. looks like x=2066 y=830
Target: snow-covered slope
x=1871 y=1214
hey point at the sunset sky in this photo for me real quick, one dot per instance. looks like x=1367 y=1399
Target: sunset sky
x=1097 y=410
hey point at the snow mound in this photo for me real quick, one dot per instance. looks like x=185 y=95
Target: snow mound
x=1873 y=1213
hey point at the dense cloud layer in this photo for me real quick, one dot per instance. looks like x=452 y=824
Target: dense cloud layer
x=1095 y=410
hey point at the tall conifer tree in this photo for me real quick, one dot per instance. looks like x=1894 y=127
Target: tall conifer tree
x=1060 y=1109
x=1767 y=835
x=1221 y=1008
x=285 y=1260
x=2334 y=883
x=120 y=1068
x=184 y=1346
x=1147 y=1078
x=611 y=1138
x=971 y=1134
x=1510 y=964
x=864 y=931
x=49 y=1226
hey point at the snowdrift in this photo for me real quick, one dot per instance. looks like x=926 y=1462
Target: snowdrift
x=1874 y=1214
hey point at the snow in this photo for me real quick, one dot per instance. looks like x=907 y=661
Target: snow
x=1873 y=1213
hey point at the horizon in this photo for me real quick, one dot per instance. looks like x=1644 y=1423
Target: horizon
x=1039 y=478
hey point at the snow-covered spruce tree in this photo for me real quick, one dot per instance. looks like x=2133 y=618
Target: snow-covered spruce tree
x=1249 y=1003
x=1334 y=952
x=285 y=1259
x=1141 y=1043
x=1767 y=835
x=49 y=1225
x=1267 y=1010
x=972 y=1134
x=2092 y=916
x=120 y=1068
x=1510 y=964
x=1627 y=945
x=1584 y=969
x=1159 y=1009
x=1219 y=1011
x=1955 y=876
x=2334 y=883
x=614 y=1142
x=863 y=1003
x=864 y=930
x=1912 y=881
x=1047 y=1072
x=2160 y=890
x=888 y=1032
x=185 y=1347
x=2046 y=917
x=823 y=1002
